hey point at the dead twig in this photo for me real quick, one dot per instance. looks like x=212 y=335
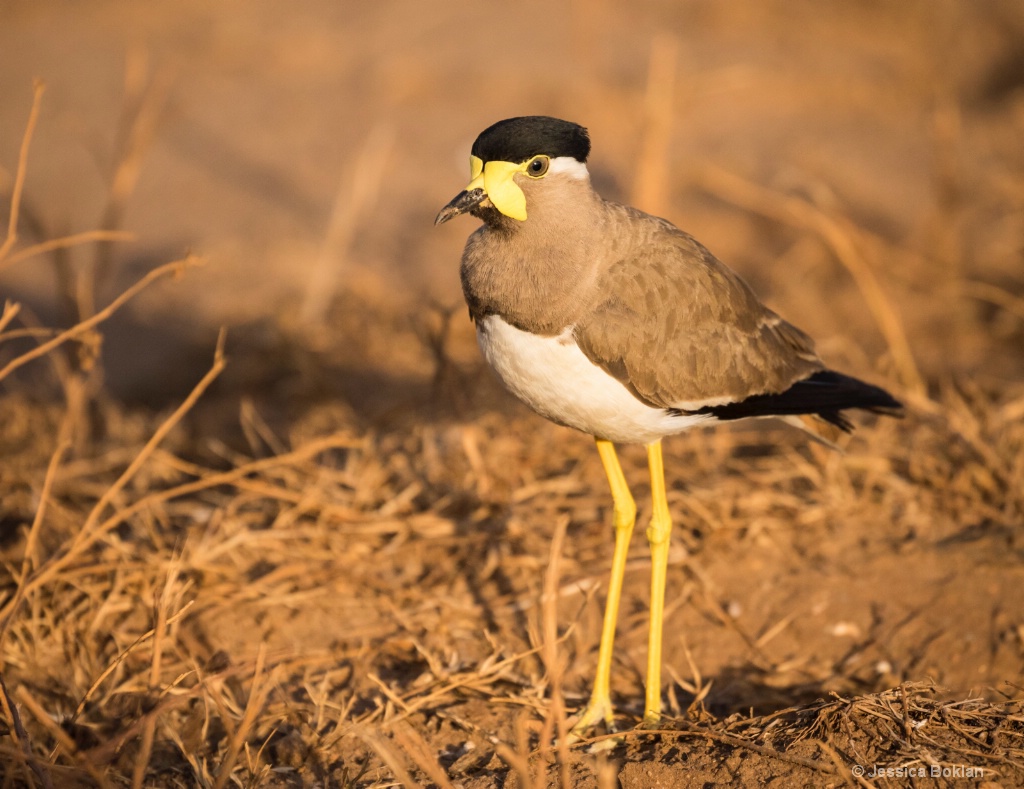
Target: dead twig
x=63 y=739
x=518 y=758
x=390 y=758
x=145 y=100
x=64 y=242
x=19 y=178
x=21 y=739
x=555 y=721
x=711 y=734
x=355 y=197
x=651 y=187
x=175 y=268
x=417 y=749
x=11 y=310
x=124 y=654
x=257 y=697
x=30 y=541
x=155 y=440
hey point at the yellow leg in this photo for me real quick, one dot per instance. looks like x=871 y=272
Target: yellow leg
x=600 y=706
x=658 y=537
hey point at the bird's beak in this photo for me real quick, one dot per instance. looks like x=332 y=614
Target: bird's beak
x=492 y=182
x=466 y=200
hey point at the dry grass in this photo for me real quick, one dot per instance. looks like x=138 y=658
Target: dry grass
x=323 y=601
x=150 y=559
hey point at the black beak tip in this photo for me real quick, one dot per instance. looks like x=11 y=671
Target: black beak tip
x=463 y=202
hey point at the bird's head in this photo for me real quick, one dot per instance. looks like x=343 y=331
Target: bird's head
x=513 y=159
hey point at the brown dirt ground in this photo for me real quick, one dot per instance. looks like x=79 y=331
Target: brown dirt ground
x=348 y=559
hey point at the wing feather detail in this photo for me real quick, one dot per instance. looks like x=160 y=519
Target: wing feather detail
x=683 y=331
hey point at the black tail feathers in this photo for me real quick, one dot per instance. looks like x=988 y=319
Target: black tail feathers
x=826 y=394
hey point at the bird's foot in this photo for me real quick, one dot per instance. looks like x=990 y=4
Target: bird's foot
x=651 y=720
x=598 y=712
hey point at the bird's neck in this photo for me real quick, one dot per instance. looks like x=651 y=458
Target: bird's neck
x=539 y=275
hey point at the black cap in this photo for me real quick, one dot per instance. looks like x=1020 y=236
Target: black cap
x=519 y=139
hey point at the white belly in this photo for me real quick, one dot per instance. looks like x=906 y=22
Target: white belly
x=554 y=377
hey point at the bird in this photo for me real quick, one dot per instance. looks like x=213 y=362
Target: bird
x=614 y=322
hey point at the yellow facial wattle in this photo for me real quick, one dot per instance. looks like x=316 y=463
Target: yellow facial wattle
x=495 y=178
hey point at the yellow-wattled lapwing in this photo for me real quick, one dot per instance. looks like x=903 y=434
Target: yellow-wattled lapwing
x=606 y=319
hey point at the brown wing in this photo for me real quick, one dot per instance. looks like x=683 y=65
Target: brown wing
x=682 y=330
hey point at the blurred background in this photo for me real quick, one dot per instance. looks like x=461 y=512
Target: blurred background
x=302 y=150
x=355 y=498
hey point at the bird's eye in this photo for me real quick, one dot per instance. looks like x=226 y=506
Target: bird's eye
x=538 y=166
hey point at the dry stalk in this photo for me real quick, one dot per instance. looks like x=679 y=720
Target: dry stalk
x=518 y=758
x=28 y=560
x=21 y=739
x=74 y=425
x=109 y=749
x=19 y=178
x=841 y=769
x=417 y=749
x=390 y=758
x=161 y=605
x=354 y=198
x=145 y=751
x=135 y=142
x=984 y=291
x=555 y=719
x=651 y=188
x=63 y=739
x=389 y=694
x=64 y=242
x=257 y=698
x=607 y=772
x=157 y=438
x=124 y=654
x=256 y=430
x=11 y=310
